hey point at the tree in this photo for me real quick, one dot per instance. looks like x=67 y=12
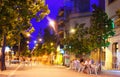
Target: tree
x=82 y=36
x=49 y=38
x=87 y=39
x=77 y=42
x=48 y=45
x=15 y=18
x=102 y=27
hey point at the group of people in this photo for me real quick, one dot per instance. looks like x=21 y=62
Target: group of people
x=85 y=65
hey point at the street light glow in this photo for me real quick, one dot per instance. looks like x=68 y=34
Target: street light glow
x=51 y=44
x=72 y=30
x=35 y=41
x=39 y=39
x=7 y=49
x=28 y=42
x=28 y=34
x=51 y=23
x=27 y=46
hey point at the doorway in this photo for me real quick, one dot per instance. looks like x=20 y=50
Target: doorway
x=114 y=55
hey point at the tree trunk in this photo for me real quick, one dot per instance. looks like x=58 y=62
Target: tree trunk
x=19 y=49
x=3 y=66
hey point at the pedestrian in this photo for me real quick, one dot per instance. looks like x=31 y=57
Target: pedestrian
x=30 y=61
x=23 y=60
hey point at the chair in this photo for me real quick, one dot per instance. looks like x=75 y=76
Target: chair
x=96 y=68
x=81 y=68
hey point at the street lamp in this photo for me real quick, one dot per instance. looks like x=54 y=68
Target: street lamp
x=72 y=30
x=52 y=23
x=39 y=39
x=51 y=43
x=28 y=35
x=35 y=42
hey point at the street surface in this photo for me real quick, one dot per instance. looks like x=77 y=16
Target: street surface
x=39 y=70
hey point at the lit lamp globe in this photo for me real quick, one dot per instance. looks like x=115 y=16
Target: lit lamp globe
x=72 y=31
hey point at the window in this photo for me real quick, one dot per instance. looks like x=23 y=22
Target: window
x=84 y=6
x=111 y=1
x=81 y=6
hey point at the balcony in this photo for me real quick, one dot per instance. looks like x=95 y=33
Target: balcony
x=78 y=15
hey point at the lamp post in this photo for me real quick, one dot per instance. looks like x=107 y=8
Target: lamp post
x=59 y=55
x=53 y=25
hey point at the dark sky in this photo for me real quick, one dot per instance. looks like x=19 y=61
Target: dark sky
x=54 y=6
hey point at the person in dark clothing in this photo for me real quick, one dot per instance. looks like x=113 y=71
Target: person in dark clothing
x=81 y=60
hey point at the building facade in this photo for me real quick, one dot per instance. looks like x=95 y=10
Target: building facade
x=76 y=12
x=79 y=12
x=112 y=53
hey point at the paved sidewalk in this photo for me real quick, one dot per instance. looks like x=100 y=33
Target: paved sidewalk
x=111 y=72
x=106 y=73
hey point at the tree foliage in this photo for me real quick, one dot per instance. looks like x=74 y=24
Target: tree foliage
x=16 y=14
x=49 y=44
x=78 y=42
x=86 y=39
x=15 y=18
x=101 y=28
x=49 y=35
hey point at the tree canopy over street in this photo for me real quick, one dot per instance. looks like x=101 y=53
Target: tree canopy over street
x=15 y=19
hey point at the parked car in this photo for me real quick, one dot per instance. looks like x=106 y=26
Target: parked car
x=15 y=61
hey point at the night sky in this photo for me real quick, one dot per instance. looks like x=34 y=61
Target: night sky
x=54 y=6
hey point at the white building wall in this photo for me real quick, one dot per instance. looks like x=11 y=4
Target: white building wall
x=108 y=57
x=112 y=8
x=79 y=19
x=111 y=11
